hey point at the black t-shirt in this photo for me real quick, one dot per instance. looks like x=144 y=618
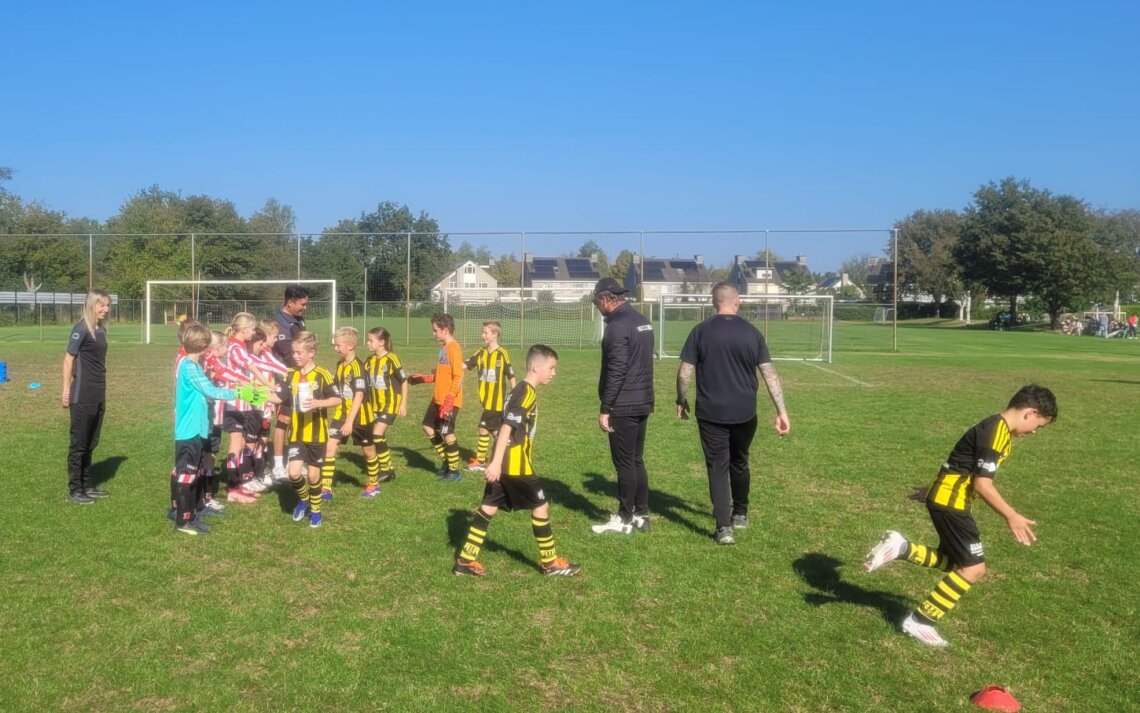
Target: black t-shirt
x=89 y=371
x=726 y=350
x=288 y=327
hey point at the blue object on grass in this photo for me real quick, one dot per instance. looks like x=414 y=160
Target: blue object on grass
x=34 y=385
x=3 y=372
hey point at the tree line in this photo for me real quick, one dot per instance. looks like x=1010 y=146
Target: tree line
x=1014 y=242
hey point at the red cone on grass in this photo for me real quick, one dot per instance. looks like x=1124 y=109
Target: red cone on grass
x=996 y=698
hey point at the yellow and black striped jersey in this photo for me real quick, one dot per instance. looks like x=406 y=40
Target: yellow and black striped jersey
x=309 y=426
x=351 y=378
x=521 y=414
x=495 y=372
x=387 y=375
x=977 y=454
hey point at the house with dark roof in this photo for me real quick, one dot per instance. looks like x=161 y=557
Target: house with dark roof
x=881 y=279
x=759 y=277
x=664 y=276
x=839 y=284
x=568 y=279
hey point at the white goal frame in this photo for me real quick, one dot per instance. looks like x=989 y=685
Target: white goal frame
x=198 y=283
x=680 y=301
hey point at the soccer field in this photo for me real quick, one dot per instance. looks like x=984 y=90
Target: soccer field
x=107 y=609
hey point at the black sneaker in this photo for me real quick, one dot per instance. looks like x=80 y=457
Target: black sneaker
x=724 y=536
x=641 y=523
x=97 y=493
x=80 y=498
x=739 y=522
x=386 y=476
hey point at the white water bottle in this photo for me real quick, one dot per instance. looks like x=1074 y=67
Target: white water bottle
x=305 y=396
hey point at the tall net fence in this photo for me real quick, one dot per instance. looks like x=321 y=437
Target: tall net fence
x=399 y=279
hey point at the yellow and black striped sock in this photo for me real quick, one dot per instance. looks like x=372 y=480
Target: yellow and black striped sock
x=315 y=497
x=482 y=446
x=926 y=557
x=452 y=452
x=383 y=453
x=943 y=598
x=372 y=468
x=475 y=536
x=437 y=444
x=328 y=469
x=302 y=488
x=545 y=537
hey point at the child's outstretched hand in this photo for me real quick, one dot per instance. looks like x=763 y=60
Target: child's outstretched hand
x=421 y=379
x=1022 y=529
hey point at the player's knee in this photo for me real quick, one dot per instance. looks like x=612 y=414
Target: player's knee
x=973 y=573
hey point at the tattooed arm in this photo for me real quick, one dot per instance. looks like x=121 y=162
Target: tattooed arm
x=684 y=378
x=776 y=392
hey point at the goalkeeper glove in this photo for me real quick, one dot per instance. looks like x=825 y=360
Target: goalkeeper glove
x=252 y=394
x=421 y=379
x=447 y=407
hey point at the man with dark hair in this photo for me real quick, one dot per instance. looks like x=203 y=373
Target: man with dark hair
x=290 y=321
x=625 y=389
x=726 y=351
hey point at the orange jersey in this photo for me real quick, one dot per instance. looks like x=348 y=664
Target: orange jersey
x=449 y=374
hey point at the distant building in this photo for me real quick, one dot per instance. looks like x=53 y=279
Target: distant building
x=837 y=285
x=759 y=277
x=466 y=282
x=881 y=279
x=665 y=276
x=567 y=279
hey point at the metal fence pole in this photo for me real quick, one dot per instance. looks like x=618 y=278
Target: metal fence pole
x=90 y=262
x=895 y=263
x=408 y=295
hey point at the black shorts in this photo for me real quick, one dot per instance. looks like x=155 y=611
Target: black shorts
x=515 y=492
x=188 y=456
x=958 y=537
x=215 y=441
x=247 y=423
x=437 y=424
x=361 y=435
x=308 y=453
x=385 y=417
x=491 y=421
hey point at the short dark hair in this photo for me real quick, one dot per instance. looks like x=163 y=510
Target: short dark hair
x=1036 y=397
x=296 y=292
x=443 y=320
x=723 y=292
x=539 y=351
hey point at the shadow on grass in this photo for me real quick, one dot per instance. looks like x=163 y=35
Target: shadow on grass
x=460 y=520
x=822 y=572
x=106 y=469
x=415 y=460
x=661 y=503
x=1117 y=381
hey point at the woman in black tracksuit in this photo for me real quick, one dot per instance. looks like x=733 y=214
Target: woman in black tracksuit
x=84 y=394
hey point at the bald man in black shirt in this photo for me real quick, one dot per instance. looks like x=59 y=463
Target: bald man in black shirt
x=726 y=351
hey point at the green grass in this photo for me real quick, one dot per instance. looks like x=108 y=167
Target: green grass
x=106 y=609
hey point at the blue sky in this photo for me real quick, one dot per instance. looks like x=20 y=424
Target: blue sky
x=576 y=116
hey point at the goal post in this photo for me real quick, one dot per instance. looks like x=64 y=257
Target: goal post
x=795 y=327
x=188 y=294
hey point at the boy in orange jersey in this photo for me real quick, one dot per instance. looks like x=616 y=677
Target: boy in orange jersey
x=447 y=398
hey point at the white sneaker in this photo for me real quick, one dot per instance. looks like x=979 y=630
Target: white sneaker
x=614 y=524
x=279 y=473
x=893 y=546
x=215 y=505
x=923 y=632
x=267 y=481
x=254 y=485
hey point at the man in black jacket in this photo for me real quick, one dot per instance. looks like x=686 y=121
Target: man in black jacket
x=626 y=392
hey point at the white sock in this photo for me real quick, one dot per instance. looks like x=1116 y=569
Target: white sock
x=278 y=461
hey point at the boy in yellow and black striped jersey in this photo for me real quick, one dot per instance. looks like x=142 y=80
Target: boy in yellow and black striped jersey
x=352 y=416
x=493 y=365
x=389 y=393
x=309 y=390
x=511 y=480
x=969 y=471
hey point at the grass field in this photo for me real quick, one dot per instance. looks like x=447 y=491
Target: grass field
x=104 y=608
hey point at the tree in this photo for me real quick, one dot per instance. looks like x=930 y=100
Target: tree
x=772 y=256
x=507 y=271
x=1119 y=234
x=1018 y=240
x=797 y=282
x=620 y=267
x=857 y=268
x=926 y=241
x=465 y=252
x=590 y=248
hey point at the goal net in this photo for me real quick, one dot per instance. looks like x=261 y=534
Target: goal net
x=215 y=302
x=527 y=316
x=796 y=327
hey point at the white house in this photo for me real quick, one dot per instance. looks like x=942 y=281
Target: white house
x=466 y=282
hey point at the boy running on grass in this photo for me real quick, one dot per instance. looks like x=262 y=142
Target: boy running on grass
x=511 y=481
x=446 y=400
x=309 y=389
x=493 y=366
x=969 y=471
x=353 y=415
